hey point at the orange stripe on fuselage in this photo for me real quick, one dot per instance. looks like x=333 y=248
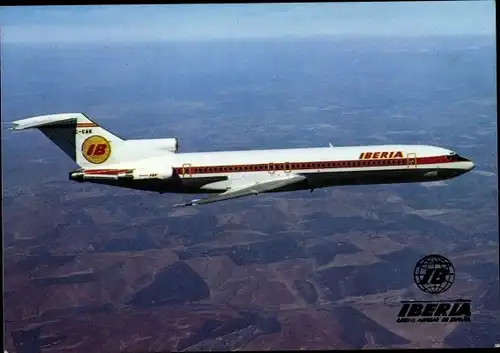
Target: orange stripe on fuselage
x=87 y=125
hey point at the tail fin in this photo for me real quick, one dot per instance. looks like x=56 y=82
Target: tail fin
x=85 y=142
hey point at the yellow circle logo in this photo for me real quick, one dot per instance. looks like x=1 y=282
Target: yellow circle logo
x=96 y=149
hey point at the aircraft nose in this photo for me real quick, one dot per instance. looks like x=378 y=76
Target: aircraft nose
x=468 y=165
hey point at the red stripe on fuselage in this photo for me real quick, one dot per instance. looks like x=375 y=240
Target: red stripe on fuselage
x=317 y=165
x=288 y=166
x=106 y=171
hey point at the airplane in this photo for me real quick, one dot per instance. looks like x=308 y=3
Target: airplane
x=157 y=165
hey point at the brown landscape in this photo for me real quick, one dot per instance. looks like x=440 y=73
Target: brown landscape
x=230 y=276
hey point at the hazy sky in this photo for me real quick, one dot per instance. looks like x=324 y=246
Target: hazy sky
x=126 y=23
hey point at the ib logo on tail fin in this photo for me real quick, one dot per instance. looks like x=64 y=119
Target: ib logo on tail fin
x=96 y=149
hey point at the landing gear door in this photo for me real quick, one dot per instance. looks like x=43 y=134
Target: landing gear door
x=411 y=160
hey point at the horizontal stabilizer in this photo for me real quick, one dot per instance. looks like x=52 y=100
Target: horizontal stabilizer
x=47 y=120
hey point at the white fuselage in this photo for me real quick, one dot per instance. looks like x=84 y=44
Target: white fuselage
x=208 y=172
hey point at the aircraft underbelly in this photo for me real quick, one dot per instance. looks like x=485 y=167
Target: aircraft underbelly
x=317 y=180
x=217 y=184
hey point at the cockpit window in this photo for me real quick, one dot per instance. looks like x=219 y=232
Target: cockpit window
x=453 y=157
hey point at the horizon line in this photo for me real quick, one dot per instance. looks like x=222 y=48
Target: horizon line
x=253 y=38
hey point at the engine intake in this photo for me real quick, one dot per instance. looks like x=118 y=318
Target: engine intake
x=168 y=144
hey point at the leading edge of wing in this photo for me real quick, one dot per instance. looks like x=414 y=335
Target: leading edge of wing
x=253 y=189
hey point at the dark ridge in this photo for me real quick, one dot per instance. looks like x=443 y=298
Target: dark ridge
x=325 y=253
x=79 y=310
x=71 y=279
x=216 y=328
x=356 y=324
x=306 y=290
x=126 y=244
x=178 y=283
x=33 y=261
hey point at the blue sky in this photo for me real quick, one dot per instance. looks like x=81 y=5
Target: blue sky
x=136 y=23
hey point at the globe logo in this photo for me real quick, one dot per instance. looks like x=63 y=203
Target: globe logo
x=434 y=274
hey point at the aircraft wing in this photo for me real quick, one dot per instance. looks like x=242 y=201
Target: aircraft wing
x=246 y=190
